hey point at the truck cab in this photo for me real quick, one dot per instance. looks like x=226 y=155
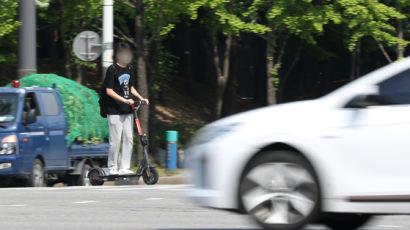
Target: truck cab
x=33 y=131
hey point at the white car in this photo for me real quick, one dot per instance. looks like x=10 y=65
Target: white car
x=336 y=160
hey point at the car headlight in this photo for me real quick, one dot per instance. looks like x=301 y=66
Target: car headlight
x=9 y=145
x=210 y=133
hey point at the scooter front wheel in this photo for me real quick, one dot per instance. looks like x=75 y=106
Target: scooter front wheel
x=150 y=176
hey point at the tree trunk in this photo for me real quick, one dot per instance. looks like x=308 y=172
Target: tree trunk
x=66 y=46
x=229 y=103
x=285 y=77
x=400 y=48
x=270 y=70
x=383 y=50
x=355 y=62
x=152 y=75
x=187 y=59
x=80 y=77
x=352 y=65
x=67 y=63
x=270 y=87
x=358 y=60
x=221 y=74
x=141 y=54
x=54 y=45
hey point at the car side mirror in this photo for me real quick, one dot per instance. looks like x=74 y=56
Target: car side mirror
x=364 y=101
x=30 y=118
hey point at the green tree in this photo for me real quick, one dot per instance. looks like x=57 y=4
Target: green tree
x=224 y=17
x=284 y=18
x=401 y=24
x=67 y=19
x=8 y=12
x=373 y=19
x=8 y=30
x=307 y=19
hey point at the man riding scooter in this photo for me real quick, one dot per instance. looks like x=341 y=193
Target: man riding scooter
x=119 y=85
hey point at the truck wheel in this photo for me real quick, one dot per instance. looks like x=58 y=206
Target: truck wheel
x=37 y=176
x=82 y=179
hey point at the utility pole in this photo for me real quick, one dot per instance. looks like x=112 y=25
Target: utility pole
x=108 y=33
x=27 y=62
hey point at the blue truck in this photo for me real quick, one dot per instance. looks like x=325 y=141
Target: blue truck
x=33 y=143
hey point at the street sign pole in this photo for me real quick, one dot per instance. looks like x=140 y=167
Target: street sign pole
x=107 y=38
x=27 y=62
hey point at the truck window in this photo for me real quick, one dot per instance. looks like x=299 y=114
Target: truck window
x=50 y=104
x=8 y=107
x=30 y=102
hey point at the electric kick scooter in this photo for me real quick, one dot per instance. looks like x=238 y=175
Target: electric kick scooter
x=98 y=176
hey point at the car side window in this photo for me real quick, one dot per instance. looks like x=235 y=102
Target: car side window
x=396 y=90
x=50 y=103
x=30 y=102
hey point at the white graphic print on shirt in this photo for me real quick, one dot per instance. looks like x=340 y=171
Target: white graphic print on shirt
x=124 y=82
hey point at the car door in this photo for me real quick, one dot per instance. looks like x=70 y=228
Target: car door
x=33 y=137
x=57 y=152
x=374 y=143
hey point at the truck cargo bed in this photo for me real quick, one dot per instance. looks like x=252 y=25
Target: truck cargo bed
x=78 y=150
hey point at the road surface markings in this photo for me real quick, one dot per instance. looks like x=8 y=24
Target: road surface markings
x=102 y=188
x=85 y=202
x=389 y=226
x=139 y=187
x=13 y=205
x=154 y=198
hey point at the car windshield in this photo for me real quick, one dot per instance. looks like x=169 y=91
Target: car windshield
x=8 y=107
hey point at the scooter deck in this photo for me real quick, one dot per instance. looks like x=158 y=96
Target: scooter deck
x=103 y=175
x=116 y=177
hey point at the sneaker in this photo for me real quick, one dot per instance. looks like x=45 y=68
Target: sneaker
x=126 y=172
x=113 y=171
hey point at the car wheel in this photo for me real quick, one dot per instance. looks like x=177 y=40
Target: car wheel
x=83 y=180
x=280 y=190
x=37 y=176
x=343 y=221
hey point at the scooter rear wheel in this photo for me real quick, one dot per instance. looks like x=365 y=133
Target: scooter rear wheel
x=94 y=176
x=150 y=176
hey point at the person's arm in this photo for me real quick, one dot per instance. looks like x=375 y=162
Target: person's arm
x=117 y=97
x=137 y=95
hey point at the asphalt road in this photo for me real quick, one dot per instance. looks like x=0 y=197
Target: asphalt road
x=160 y=207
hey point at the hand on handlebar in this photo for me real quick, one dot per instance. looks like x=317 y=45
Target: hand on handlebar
x=145 y=101
x=129 y=101
x=140 y=102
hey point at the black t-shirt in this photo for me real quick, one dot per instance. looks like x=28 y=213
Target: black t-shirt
x=120 y=80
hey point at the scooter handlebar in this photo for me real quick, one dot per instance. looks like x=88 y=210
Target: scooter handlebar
x=137 y=104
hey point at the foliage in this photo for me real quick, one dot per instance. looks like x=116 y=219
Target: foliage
x=70 y=18
x=166 y=68
x=8 y=12
x=8 y=30
x=368 y=18
x=307 y=19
